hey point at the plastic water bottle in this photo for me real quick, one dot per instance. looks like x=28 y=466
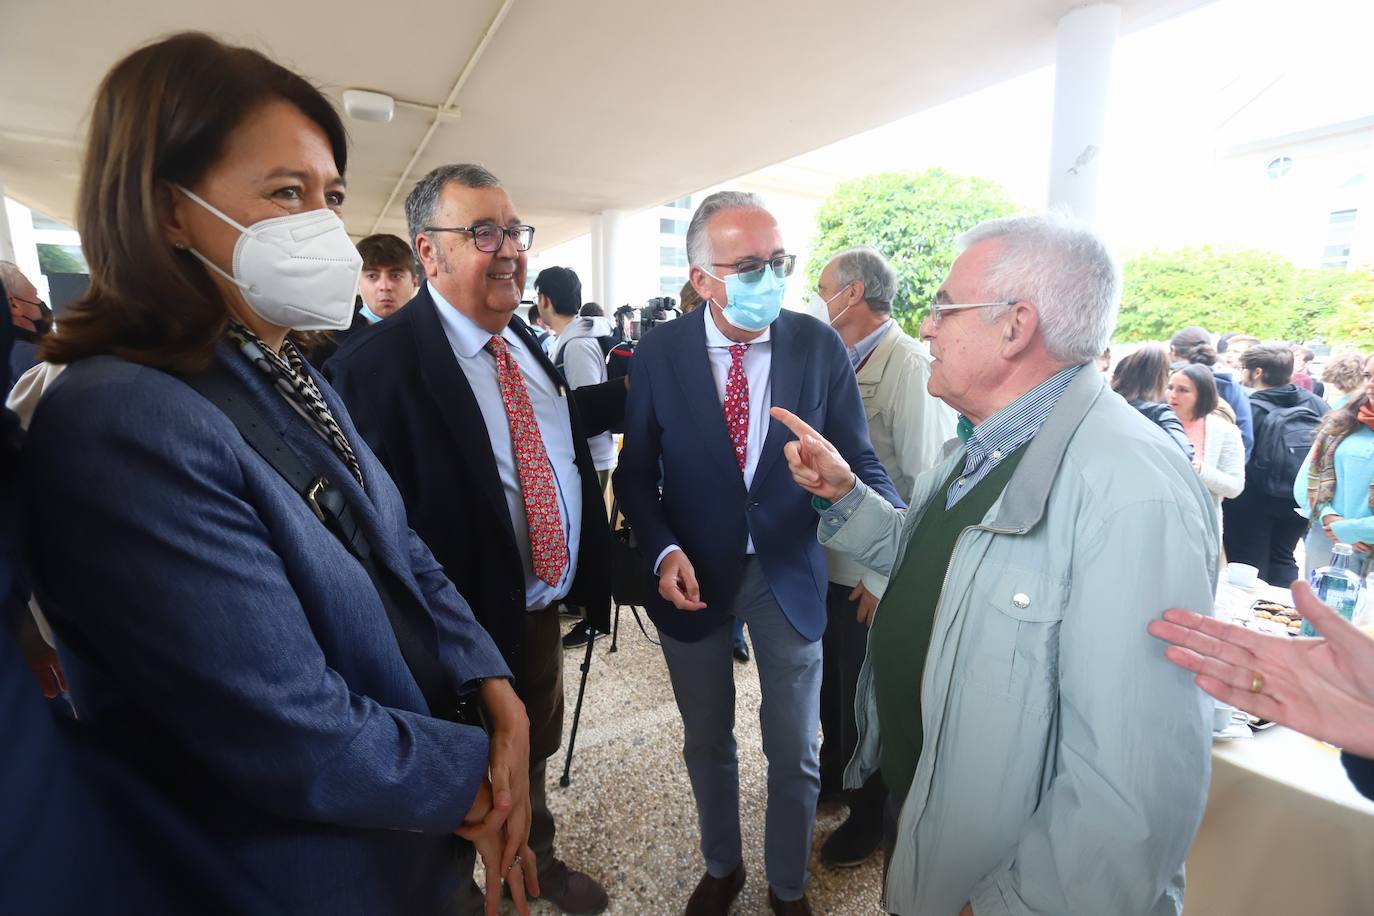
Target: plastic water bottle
x=1337 y=586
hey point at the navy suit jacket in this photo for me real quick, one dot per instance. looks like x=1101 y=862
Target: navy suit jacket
x=228 y=651
x=413 y=404
x=675 y=432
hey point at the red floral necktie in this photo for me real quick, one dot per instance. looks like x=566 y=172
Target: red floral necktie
x=737 y=403
x=548 y=547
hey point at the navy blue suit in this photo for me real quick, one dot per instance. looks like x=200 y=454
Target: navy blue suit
x=228 y=651
x=673 y=420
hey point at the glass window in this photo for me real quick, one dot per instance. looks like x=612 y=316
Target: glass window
x=672 y=226
x=1343 y=216
x=672 y=256
x=670 y=286
x=1279 y=167
x=682 y=203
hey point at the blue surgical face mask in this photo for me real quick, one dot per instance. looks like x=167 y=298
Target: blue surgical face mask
x=368 y=314
x=752 y=306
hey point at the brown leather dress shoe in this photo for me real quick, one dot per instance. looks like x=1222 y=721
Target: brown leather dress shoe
x=570 y=890
x=713 y=896
x=788 y=907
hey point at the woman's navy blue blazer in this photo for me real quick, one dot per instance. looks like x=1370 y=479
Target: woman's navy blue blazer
x=224 y=648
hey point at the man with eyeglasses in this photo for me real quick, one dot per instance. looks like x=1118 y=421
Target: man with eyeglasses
x=908 y=428
x=729 y=535
x=489 y=450
x=30 y=317
x=1042 y=756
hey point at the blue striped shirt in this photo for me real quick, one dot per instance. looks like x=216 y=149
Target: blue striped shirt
x=1005 y=431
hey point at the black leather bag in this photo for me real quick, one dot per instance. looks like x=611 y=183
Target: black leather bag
x=629 y=576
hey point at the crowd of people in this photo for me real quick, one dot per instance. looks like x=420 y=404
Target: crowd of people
x=1264 y=441
x=295 y=559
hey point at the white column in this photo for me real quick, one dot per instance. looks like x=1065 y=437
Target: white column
x=607 y=253
x=594 y=285
x=18 y=220
x=1085 y=42
x=6 y=242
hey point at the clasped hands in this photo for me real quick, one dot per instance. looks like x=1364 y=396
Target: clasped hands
x=498 y=823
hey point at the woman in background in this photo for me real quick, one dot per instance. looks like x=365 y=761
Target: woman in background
x=1140 y=378
x=1344 y=377
x=1218 y=453
x=1335 y=486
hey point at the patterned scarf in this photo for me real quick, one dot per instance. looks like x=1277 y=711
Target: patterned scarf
x=291 y=378
x=1321 y=471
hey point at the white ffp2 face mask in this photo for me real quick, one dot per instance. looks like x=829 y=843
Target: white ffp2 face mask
x=298 y=271
x=821 y=307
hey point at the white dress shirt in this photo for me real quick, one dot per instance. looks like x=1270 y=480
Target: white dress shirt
x=550 y=405
x=758 y=365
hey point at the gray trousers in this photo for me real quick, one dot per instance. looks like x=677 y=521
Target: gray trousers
x=703 y=678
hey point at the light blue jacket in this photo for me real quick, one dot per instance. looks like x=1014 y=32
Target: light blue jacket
x=1066 y=762
x=1354 y=473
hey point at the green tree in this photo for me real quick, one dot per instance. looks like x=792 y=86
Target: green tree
x=54 y=259
x=1227 y=289
x=1352 y=322
x=913 y=219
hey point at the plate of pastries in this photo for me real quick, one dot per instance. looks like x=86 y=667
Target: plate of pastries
x=1277 y=617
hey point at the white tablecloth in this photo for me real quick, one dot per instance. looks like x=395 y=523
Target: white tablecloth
x=1285 y=833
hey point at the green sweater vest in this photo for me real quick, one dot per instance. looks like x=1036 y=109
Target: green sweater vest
x=906 y=616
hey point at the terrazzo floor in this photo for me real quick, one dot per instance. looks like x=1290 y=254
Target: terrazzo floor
x=628 y=818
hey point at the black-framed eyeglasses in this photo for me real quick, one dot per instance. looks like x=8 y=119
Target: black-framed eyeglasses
x=490 y=238
x=750 y=270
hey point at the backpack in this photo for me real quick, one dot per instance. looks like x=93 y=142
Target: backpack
x=618 y=359
x=607 y=343
x=1283 y=437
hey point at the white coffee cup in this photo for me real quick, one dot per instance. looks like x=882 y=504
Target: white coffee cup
x=1242 y=574
x=1222 y=716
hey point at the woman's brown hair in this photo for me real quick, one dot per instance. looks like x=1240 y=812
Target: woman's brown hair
x=163 y=115
x=1142 y=375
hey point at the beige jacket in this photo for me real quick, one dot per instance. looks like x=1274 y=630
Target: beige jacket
x=907 y=426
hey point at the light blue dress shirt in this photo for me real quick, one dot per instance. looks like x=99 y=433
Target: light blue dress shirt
x=864 y=348
x=550 y=405
x=758 y=374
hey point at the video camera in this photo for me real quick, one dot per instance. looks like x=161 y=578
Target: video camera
x=642 y=320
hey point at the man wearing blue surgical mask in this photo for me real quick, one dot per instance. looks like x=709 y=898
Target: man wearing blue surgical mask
x=727 y=534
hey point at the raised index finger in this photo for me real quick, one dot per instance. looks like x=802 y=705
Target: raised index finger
x=799 y=427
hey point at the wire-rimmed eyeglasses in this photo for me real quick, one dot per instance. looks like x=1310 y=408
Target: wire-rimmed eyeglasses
x=938 y=309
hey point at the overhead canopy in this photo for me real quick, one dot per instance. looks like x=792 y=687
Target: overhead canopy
x=579 y=106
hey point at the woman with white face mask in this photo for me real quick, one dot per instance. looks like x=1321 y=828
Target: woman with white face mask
x=248 y=625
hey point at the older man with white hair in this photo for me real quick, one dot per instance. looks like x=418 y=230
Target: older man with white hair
x=1042 y=755
x=30 y=317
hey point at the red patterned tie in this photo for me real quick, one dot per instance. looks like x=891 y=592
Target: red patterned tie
x=737 y=403
x=548 y=547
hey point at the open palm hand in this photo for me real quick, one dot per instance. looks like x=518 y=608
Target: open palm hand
x=1323 y=687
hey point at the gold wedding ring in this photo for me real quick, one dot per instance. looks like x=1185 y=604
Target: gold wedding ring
x=1256 y=682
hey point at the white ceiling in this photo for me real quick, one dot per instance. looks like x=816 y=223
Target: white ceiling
x=578 y=105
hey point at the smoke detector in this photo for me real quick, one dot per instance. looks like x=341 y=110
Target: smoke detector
x=365 y=105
